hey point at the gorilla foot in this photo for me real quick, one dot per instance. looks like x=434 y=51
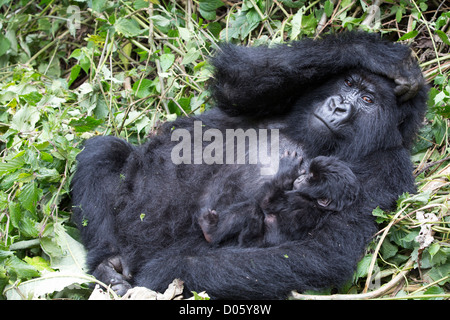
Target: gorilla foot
x=115 y=272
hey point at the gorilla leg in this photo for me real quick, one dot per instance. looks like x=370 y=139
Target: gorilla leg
x=94 y=189
x=325 y=258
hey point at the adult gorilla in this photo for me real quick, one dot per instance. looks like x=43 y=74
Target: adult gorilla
x=353 y=96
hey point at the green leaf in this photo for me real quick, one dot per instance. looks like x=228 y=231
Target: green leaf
x=29 y=196
x=32 y=98
x=399 y=14
x=191 y=56
x=48 y=283
x=127 y=27
x=328 y=8
x=160 y=21
x=409 y=35
x=5 y=44
x=11 y=165
x=22 y=269
x=143 y=88
x=240 y=27
x=405 y=239
x=98 y=5
x=443 y=37
x=296 y=24
x=86 y=124
x=362 y=268
x=25 y=119
x=73 y=258
x=440 y=272
x=74 y=74
x=16 y=214
x=208 y=8
x=29 y=227
x=39 y=263
x=381 y=216
x=166 y=61
x=388 y=250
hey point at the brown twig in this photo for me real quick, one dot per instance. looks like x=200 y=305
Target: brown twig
x=362 y=296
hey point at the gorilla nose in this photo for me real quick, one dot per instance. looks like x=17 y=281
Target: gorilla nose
x=339 y=109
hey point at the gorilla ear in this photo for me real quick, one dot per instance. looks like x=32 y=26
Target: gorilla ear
x=330 y=205
x=324 y=202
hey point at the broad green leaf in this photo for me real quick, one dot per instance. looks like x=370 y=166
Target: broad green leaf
x=73 y=258
x=160 y=21
x=239 y=27
x=74 y=74
x=25 y=119
x=29 y=196
x=143 y=88
x=409 y=35
x=208 y=8
x=22 y=269
x=11 y=165
x=362 y=267
x=443 y=37
x=86 y=124
x=296 y=24
x=5 y=44
x=98 y=5
x=191 y=56
x=328 y=8
x=39 y=263
x=166 y=61
x=128 y=27
x=48 y=283
x=388 y=250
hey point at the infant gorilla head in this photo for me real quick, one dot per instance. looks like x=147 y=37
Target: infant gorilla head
x=295 y=200
x=329 y=182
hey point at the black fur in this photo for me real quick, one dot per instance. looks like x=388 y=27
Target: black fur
x=288 y=207
x=136 y=204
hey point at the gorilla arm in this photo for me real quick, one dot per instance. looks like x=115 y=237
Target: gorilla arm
x=261 y=81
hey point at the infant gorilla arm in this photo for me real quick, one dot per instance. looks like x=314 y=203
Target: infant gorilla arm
x=287 y=207
x=261 y=81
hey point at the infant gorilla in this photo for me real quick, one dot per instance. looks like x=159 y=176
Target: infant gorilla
x=288 y=207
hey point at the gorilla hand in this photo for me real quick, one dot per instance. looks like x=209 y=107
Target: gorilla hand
x=409 y=80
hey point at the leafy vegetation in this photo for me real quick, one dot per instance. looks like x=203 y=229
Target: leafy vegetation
x=73 y=69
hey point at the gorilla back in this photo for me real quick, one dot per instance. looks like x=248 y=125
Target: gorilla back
x=133 y=204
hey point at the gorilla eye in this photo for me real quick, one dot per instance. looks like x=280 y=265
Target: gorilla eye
x=348 y=83
x=367 y=99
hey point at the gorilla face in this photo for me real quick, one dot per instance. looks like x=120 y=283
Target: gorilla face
x=351 y=114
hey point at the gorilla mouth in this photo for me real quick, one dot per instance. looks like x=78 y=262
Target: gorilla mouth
x=323 y=121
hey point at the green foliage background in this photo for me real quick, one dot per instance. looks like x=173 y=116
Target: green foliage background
x=70 y=70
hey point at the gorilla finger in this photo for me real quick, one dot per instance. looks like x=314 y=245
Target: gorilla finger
x=126 y=271
x=116 y=263
x=411 y=93
x=121 y=288
x=401 y=90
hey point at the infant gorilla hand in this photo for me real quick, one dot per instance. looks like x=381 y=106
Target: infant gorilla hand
x=330 y=182
x=288 y=170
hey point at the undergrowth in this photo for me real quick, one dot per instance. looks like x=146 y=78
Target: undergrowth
x=70 y=70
